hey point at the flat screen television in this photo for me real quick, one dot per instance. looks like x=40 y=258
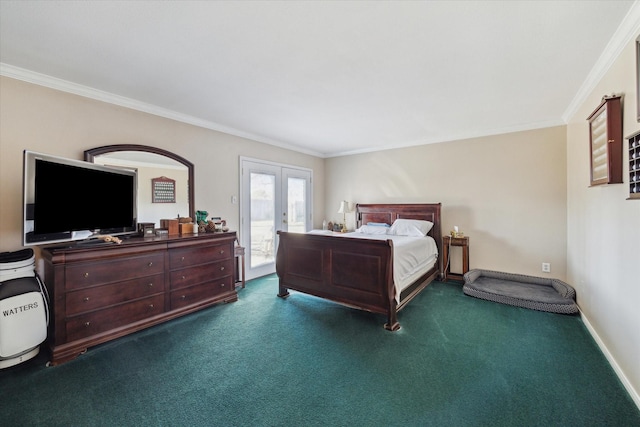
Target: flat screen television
x=67 y=200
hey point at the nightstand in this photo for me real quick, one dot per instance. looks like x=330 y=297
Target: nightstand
x=448 y=241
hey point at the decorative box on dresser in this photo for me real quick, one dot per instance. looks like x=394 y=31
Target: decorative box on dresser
x=104 y=291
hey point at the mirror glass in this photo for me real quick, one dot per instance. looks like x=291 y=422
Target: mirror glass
x=165 y=180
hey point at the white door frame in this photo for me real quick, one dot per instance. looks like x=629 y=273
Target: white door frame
x=281 y=172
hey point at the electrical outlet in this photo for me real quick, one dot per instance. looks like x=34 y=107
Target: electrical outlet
x=546 y=267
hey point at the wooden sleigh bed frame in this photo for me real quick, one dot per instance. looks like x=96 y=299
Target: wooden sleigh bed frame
x=355 y=272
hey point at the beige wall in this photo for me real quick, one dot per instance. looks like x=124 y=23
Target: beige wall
x=604 y=232
x=506 y=192
x=40 y=119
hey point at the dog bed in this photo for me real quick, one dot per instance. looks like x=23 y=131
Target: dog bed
x=536 y=293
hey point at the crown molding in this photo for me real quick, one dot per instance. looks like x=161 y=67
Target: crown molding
x=457 y=137
x=627 y=30
x=39 y=79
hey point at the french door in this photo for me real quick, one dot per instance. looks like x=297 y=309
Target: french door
x=273 y=197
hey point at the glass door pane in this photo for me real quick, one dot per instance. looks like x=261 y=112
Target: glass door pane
x=262 y=234
x=296 y=205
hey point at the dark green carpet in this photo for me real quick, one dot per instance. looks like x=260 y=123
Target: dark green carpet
x=264 y=361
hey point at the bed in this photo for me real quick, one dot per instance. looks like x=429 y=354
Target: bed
x=358 y=270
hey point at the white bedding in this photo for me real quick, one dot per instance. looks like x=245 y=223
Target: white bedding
x=412 y=256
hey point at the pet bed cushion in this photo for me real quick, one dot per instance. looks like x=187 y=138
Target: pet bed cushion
x=536 y=293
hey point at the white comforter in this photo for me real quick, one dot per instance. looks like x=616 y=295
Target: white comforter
x=412 y=256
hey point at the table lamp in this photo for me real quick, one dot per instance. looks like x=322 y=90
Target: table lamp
x=344 y=209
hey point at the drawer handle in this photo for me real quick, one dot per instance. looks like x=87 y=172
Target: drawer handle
x=150 y=284
x=183 y=297
x=150 y=305
x=86 y=324
x=151 y=264
x=221 y=268
x=86 y=274
x=183 y=277
x=222 y=285
x=221 y=251
x=182 y=259
x=86 y=299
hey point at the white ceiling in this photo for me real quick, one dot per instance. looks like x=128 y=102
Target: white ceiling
x=325 y=77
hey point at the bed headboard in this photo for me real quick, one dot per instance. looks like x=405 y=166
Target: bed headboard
x=390 y=212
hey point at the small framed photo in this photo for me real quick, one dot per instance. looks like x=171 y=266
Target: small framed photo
x=163 y=190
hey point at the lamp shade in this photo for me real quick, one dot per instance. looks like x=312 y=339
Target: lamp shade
x=344 y=207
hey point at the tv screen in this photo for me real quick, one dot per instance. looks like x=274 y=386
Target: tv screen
x=67 y=200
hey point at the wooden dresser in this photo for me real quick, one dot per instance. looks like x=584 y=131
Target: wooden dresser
x=104 y=291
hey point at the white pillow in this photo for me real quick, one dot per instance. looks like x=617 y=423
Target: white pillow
x=410 y=227
x=372 y=229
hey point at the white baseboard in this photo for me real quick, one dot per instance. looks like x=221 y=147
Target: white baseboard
x=625 y=382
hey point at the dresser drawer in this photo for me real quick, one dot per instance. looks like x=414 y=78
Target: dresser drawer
x=179 y=258
x=96 y=322
x=203 y=291
x=88 y=299
x=201 y=273
x=102 y=272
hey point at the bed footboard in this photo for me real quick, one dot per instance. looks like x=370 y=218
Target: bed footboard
x=353 y=272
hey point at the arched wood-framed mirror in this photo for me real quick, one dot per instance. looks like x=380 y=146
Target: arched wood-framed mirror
x=152 y=163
